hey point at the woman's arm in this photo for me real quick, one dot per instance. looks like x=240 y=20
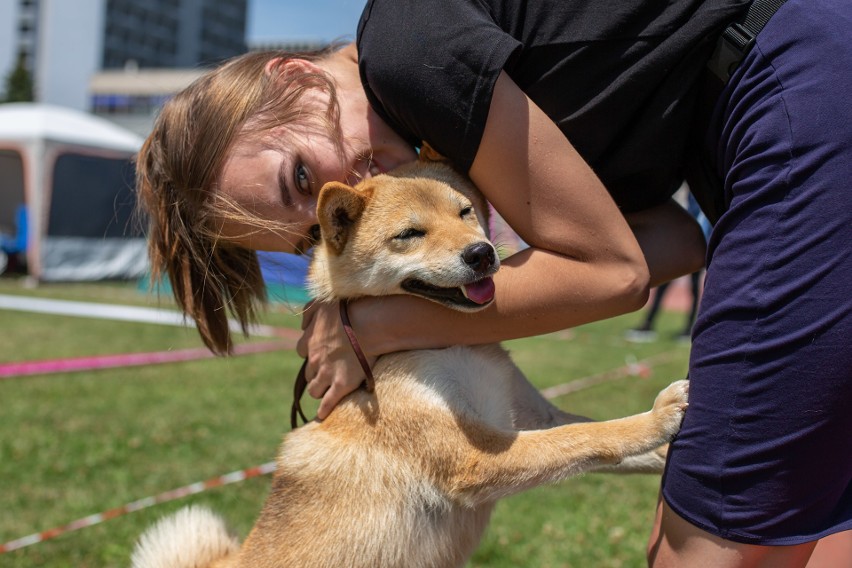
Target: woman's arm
x=583 y=264
x=671 y=240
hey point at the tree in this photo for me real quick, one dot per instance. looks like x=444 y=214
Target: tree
x=19 y=83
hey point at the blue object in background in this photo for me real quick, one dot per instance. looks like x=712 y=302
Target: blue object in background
x=18 y=242
x=285 y=276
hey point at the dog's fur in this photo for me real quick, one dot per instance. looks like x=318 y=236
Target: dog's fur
x=408 y=475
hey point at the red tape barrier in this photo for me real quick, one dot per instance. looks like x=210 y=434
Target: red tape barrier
x=631 y=369
x=97 y=362
x=178 y=493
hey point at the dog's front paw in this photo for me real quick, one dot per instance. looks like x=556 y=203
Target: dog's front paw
x=669 y=408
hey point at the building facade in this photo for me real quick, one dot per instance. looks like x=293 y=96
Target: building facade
x=172 y=33
x=66 y=43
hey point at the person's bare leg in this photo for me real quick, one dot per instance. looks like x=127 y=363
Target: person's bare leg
x=832 y=551
x=675 y=543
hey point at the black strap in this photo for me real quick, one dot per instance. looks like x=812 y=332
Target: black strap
x=742 y=34
x=298 y=390
x=731 y=47
x=738 y=37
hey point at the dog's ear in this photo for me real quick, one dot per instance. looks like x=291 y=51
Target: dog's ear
x=338 y=208
x=429 y=154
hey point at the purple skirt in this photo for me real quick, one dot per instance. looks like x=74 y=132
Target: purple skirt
x=765 y=453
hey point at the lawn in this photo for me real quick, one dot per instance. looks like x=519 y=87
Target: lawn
x=76 y=444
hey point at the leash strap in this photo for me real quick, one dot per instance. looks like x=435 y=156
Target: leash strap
x=298 y=390
x=738 y=38
x=301 y=383
x=356 y=347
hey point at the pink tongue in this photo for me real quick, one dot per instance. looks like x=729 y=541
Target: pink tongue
x=480 y=292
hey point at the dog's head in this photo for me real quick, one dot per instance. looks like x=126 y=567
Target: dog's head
x=417 y=230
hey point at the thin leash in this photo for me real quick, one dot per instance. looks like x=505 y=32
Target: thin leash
x=302 y=381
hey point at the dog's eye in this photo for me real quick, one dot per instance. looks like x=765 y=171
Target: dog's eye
x=314 y=233
x=465 y=212
x=410 y=234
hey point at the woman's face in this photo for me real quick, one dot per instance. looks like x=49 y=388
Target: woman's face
x=278 y=177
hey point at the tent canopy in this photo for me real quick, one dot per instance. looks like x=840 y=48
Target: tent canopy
x=25 y=122
x=74 y=174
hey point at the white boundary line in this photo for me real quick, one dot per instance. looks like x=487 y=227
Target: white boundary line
x=114 y=312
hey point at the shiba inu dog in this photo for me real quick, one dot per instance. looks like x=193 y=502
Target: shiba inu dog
x=407 y=476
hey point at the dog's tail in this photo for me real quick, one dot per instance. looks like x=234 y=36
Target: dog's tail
x=194 y=537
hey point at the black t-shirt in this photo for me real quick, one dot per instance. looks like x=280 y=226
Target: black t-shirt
x=617 y=76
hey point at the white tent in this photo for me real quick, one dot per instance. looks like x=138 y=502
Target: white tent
x=73 y=173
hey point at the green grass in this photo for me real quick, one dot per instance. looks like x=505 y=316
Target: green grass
x=76 y=444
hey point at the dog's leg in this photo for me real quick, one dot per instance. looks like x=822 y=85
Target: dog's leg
x=530 y=458
x=534 y=412
x=649 y=462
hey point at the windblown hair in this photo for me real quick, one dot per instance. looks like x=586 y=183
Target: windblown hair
x=176 y=179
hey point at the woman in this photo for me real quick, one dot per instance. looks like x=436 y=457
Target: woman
x=574 y=119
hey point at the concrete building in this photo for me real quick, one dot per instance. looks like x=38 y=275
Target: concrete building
x=131 y=97
x=66 y=43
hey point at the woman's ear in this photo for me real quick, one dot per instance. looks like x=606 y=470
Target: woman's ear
x=289 y=67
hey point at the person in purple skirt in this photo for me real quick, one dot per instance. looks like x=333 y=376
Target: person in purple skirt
x=578 y=121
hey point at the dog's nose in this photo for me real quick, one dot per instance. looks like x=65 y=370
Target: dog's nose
x=479 y=256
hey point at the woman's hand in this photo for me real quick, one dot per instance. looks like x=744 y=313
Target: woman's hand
x=333 y=370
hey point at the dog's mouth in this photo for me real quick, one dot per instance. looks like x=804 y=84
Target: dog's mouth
x=473 y=295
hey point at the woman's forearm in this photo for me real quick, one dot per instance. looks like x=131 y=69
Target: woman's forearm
x=541 y=292
x=537 y=292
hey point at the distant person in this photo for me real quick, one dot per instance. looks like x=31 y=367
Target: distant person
x=13 y=247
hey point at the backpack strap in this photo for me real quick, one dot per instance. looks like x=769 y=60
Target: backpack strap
x=738 y=38
x=731 y=47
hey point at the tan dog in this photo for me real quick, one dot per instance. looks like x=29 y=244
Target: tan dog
x=408 y=475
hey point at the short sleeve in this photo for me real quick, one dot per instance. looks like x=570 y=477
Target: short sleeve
x=429 y=70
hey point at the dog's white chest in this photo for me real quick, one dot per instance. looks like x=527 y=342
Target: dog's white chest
x=467 y=380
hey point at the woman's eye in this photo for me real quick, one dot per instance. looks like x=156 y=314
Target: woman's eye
x=465 y=212
x=410 y=234
x=302 y=179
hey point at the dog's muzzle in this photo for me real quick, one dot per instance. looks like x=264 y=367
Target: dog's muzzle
x=480 y=257
x=475 y=292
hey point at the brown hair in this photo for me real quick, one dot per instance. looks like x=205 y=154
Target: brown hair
x=176 y=175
